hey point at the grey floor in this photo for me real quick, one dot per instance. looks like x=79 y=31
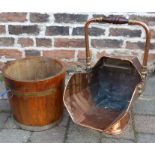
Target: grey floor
x=140 y=129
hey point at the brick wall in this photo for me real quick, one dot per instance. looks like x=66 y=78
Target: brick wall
x=61 y=35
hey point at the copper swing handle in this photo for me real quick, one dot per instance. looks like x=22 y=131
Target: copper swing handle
x=116 y=20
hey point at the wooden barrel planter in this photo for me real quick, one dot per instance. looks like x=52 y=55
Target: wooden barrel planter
x=36 y=91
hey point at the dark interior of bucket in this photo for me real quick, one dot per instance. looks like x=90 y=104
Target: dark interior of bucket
x=96 y=98
x=113 y=82
x=33 y=69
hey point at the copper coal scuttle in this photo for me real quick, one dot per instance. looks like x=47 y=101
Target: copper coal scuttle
x=101 y=96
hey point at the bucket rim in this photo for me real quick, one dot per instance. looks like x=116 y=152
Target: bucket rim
x=63 y=69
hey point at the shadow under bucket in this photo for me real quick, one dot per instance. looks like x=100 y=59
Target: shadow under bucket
x=36 y=89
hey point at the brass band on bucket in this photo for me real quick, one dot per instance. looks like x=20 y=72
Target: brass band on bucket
x=33 y=94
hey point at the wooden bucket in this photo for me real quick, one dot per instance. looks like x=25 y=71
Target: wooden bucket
x=36 y=91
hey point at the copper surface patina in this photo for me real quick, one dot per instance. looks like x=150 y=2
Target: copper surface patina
x=101 y=96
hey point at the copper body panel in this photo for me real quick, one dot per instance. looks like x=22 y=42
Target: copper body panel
x=101 y=96
x=36 y=86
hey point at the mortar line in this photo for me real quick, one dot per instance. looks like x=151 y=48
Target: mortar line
x=7 y=119
x=29 y=138
x=5 y=123
x=114 y=137
x=133 y=126
x=4 y=111
x=143 y=114
x=119 y=139
x=152 y=134
x=100 y=137
x=66 y=131
x=147 y=99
